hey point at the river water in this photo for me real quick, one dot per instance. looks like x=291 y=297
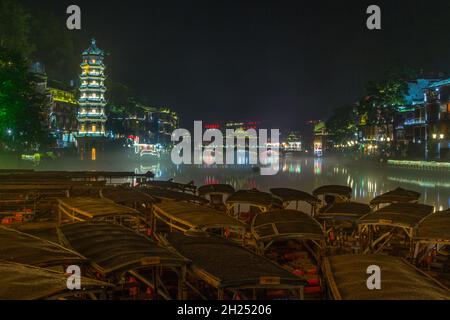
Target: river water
x=367 y=179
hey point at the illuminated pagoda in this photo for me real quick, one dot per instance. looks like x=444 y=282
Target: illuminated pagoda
x=91 y=112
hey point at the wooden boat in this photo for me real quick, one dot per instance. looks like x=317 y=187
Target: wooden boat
x=346 y=278
x=245 y=204
x=392 y=228
x=126 y=259
x=293 y=197
x=183 y=216
x=170 y=185
x=295 y=241
x=432 y=243
x=398 y=195
x=216 y=194
x=231 y=271
x=166 y=194
x=83 y=208
x=340 y=223
x=27 y=249
x=330 y=194
x=25 y=282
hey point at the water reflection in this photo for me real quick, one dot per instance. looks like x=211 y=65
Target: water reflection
x=367 y=180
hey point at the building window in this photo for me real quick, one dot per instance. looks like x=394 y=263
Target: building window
x=94 y=128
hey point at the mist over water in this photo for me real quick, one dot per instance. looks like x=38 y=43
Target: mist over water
x=367 y=179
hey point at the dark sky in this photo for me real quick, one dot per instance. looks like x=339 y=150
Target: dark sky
x=277 y=61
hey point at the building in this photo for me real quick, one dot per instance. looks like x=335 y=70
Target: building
x=63 y=115
x=320 y=139
x=91 y=115
x=437 y=116
x=411 y=122
x=293 y=142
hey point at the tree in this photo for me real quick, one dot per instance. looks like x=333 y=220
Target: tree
x=341 y=126
x=21 y=106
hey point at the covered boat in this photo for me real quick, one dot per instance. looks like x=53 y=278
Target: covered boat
x=294 y=240
x=398 y=195
x=167 y=194
x=393 y=227
x=291 y=197
x=232 y=271
x=216 y=194
x=25 y=282
x=27 y=249
x=347 y=279
x=170 y=185
x=184 y=216
x=121 y=256
x=432 y=241
x=245 y=204
x=337 y=192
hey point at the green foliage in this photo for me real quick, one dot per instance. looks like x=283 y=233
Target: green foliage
x=341 y=126
x=21 y=123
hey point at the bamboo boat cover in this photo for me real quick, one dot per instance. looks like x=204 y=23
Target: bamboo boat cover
x=254 y=197
x=24 y=282
x=215 y=188
x=228 y=264
x=95 y=207
x=396 y=195
x=347 y=277
x=333 y=189
x=344 y=210
x=286 y=224
x=171 y=185
x=287 y=194
x=435 y=227
x=127 y=195
x=114 y=248
x=195 y=216
x=24 y=248
x=399 y=214
x=160 y=193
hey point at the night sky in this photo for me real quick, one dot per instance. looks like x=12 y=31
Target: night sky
x=276 y=61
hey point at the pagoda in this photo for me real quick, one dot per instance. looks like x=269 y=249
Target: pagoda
x=91 y=112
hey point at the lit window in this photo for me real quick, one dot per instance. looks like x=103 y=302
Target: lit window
x=94 y=128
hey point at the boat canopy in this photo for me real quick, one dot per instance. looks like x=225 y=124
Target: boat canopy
x=287 y=194
x=215 y=188
x=126 y=196
x=24 y=248
x=83 y=208
x=24 y=282
x=333 y=189
x=254 y=197
x=435 y=228
x=166 y=194
x=114 y=248
x=286 y=224
x=184 y=216
x=224 y=264
x=170 y=185
x=347 y=279
x=344 y=211
x=398 y=195
x=405 y=215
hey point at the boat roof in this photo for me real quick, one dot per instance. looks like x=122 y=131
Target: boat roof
x=287 y=194
x=160 y=193
x=283 y=224
x=95 y=207
x=169 y=184
x=398 y=214
x=190 y=215
x=344 y=210
x=223 y=263
x=254 y=197
x=347 y=278
x=215 y=188
x=435 y=227
x=115 y=248
x=24 y=248
x=123 y=195
x=333 y=189
x=396 y=195
x=24 y=282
